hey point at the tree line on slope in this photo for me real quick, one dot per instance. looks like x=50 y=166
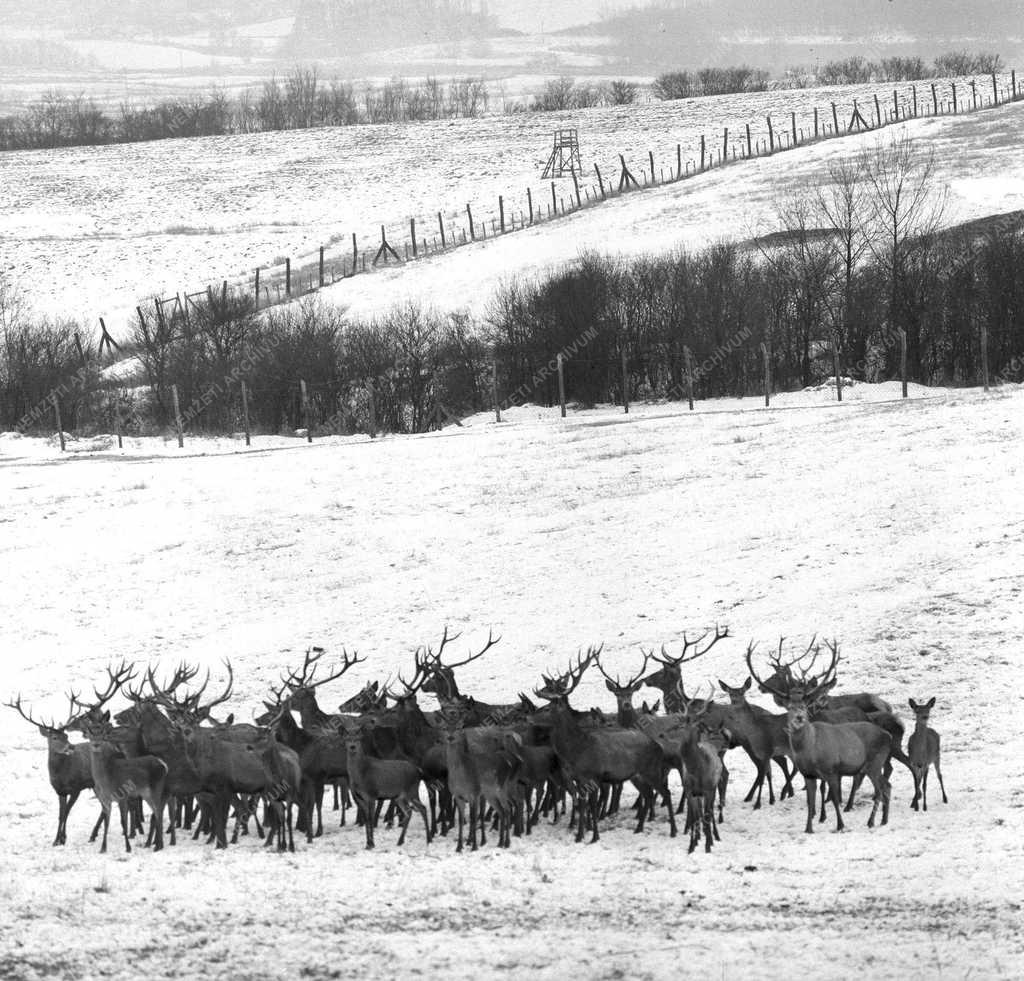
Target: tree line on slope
x=856 y=262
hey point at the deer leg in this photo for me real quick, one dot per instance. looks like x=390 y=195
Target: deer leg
x=787 y=788
x=367 y=805
x=106 y=825
x=811 y=787
x=96 y=827
x=824 y=800
x=595 y=814
x=474 y=818
x=938 y=773
x=404 y=809
x=61 y=816
x=318 y=800
x=836 y=794
x=460 y=810
x=418 y=806
x=924 y=789
x=693 y=819
x=124 y=810
x=854 y=787
x=763 y=773
x=709 y=819
x=666 y=793
x=337 y=801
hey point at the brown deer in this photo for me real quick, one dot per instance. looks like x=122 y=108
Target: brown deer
x=373 y=779
x=440 y=682
x=824 y=751
x=667 y=678
x=763 y=736
x=599 y=756
x=703 y=773
x=69 y=767
x=923 y=748
x=118 y=779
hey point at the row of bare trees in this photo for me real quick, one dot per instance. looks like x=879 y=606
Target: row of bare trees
x=299 y=101
x=508 y=763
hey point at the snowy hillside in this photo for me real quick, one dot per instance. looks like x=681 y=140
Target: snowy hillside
x=894 y=526
x=92 y=231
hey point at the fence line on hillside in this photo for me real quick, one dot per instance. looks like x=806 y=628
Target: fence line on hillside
x=413 y=241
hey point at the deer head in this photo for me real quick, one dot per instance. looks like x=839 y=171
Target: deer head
x=667 y=677
x=557 y=689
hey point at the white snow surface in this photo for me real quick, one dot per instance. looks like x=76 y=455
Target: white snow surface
x=92 y=231
x=894 y=526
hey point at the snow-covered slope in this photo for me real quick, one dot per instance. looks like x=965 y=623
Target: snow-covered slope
x=893 y=526
x=91 y=231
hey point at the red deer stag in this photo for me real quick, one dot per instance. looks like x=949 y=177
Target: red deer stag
x=824 y=751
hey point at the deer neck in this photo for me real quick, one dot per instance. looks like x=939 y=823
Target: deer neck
x=627 y=716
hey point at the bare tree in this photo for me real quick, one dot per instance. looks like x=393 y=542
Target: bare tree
x=907 y=208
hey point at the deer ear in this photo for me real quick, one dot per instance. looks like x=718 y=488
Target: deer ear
x=912 y=704
x=106 y=716
x=723 y=685
x=930 y=702
x=609 y=686
x=746 y=684
x=230 y=720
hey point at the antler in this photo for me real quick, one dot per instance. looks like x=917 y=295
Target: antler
x=436 y=658
x=765 y=686
x=305 y=677
x=121 y=676
x=690 y=714
x=16 y=705
x=616 y=682
x=691 y=649
x=206 y=709
x=564 y=685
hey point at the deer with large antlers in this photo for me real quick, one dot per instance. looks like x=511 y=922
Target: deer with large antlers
x=597 y=756
x=825 y=751
x=441 y=683
x=69 y=765
x=667 y=678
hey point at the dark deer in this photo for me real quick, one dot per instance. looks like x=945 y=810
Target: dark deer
x=923 y=747
x=69 y=766
x=667 y=678
x=599 y=756
x=373 y=779
x=827 y=752
x=763 y=736
x=440 y=682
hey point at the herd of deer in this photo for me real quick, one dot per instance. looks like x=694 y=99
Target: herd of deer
x=482 y=765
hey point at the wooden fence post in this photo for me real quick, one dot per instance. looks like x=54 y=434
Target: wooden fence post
x=177 y=416
x=305 y=410
x=501 y=212
x=625 y=382
x=371 y=399
x=321 y=266
x=955 y=107
x=750 y=149
x=529 y=202
x=355 y=253
x=257 y=302
x=288 y=276
x=984 y=354
x=702 y=152
x=245 y=413
x=412 y=236
x=1013 y=83
x=835 y=120
x=561 y=384
x=725 y=144
x=679 y=160
x=815 y=122
x=576 y=184
x=995 y=90
x=650 y=156
x=554 y=200
x=60 y=425
x=915 y=102
x=688 y=356
x=771 y=135
x=440 y=224
x=600 y=183
x=494 y=388
x=117 y=422
x=767 y=374
x=793 y=120
x=935 y=100
x=472 y=230
x=835 y=366
x=903 y=360
x=878 y=111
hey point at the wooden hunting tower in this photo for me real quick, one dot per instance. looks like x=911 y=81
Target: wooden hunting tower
x=565 y=155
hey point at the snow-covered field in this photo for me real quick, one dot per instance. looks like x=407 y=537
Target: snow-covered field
x=92 y=231
x=894 y=526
